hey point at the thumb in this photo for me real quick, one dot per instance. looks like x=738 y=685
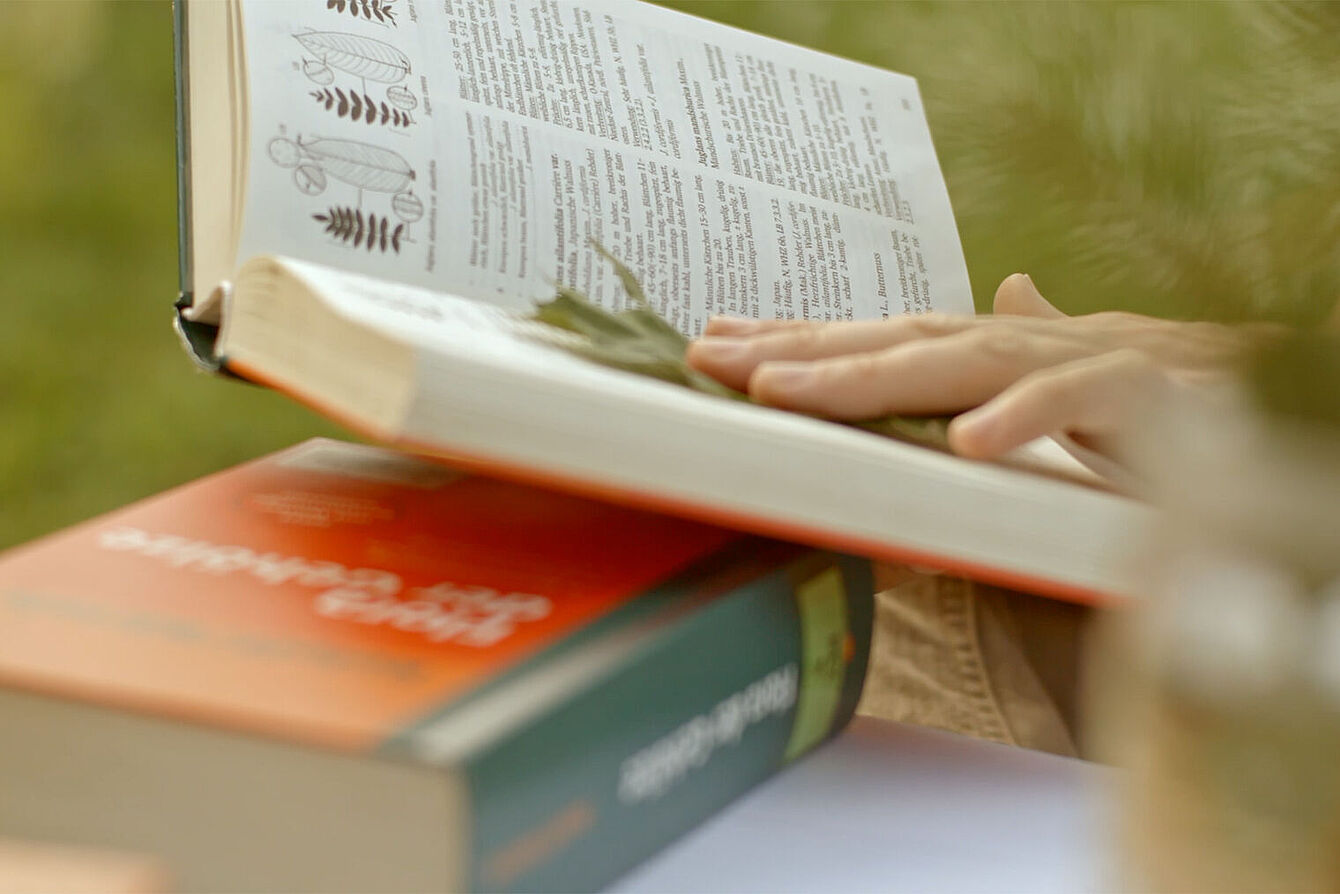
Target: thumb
x=1017 y=296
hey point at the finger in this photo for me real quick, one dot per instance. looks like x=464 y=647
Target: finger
x=720 y=325
x=733 y=360
x=938 y=375
x=1092 y=397
x=1018 y=296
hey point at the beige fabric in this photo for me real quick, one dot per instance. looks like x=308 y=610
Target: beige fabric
x=978 y=660
x=29 y=866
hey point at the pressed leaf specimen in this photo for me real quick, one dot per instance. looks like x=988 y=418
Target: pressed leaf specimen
x=361 y=107
x=639 y=340
x=371 y=231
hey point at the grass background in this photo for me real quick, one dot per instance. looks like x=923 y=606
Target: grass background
x=1176 y=159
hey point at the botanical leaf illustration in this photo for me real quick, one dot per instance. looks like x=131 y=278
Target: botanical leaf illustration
x=361 y=107
x=370 y=231
x=361 y=57
x=639 y=340
x=372 y=10
x=364 y=166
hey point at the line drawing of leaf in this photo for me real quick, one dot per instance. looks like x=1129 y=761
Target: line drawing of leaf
x=397 y=117
x=361 y=57
x=348 y=225
x=360 y=107
x=368 y=9
x=381 y=10
x=360 y=164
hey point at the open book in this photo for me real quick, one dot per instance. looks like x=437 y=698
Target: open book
x=376 y=193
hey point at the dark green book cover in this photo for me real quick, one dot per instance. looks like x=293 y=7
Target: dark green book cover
x=688 y=697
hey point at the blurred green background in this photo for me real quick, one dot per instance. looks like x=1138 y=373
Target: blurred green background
x=1175 y=159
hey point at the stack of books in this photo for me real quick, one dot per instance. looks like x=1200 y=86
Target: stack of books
x=348 y=667
x=341 y=667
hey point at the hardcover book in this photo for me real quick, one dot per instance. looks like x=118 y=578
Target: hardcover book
x=341 y=668
x=375 y=195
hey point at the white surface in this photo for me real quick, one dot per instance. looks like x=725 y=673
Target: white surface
x=888 y=807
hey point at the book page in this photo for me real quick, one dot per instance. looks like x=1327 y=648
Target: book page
x=441 y=323
x=476 y=147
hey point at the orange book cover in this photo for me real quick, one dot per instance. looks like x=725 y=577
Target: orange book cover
x=539 y=690
x=329 y=594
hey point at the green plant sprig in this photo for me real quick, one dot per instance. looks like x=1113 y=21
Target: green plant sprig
x=639 y=340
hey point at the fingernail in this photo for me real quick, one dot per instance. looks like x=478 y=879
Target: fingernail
x=783 y=376
x=712 y=347
x=1030 y=281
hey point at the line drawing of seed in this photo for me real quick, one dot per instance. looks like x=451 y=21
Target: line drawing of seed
x=360 y=107
x=401 y=98
x=380 y=10
x=284 y=153
x=310 y=179
x=407 y=206
x=317 y=71
x=362 y=57
x=358 y=164
x=352 y=227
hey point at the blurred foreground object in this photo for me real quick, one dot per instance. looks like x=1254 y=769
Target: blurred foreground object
x=342 y=668
x=27 y=866
x=1223 y=691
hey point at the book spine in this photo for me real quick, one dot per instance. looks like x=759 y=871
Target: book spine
x=181 y=87
x=198 y=338
x=716 y=701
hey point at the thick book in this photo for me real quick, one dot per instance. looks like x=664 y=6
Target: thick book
x=341 y=667
x=375 y=195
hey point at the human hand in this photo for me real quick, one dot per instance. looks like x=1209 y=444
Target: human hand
x=1025 y=371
